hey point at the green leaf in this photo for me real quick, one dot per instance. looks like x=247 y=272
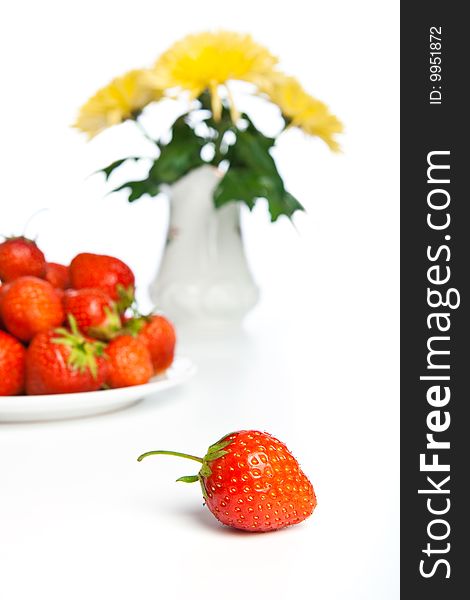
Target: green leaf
x=115 y=165
x=244 y=185
x=139 y=188
x=205 y=100
x=286 y=205
x=188 y=479
x=266 y=142
x=253 y=174
x=179 y=156
x=238 y=184
x=252 y=150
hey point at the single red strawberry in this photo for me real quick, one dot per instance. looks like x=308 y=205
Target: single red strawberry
x=107 y=273
x=62 y=361
x=30 y=305
x=129 y=362
x=20 y=256
x=94 y=312
x=158 y=334
x=12 y=365
x=251 y=481
x=57 y=275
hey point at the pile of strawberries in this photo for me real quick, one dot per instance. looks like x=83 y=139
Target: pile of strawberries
x=76 y=328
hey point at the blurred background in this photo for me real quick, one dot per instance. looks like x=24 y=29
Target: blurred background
x=329 y=306
x=56 y=56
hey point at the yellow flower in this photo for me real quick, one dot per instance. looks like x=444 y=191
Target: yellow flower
x=302 y=110
x=206 y=60
x=121 y=99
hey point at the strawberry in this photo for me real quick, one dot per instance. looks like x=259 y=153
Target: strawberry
x=20 y=256
x=30 y=305
x=251 y=481
x=62 y=361
x=158 y=334
x=57 y=275
x=105 y=272
x=129 y=362
x=12 y=365
x=94 y=312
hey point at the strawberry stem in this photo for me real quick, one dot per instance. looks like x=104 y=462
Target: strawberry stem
x=170 y=453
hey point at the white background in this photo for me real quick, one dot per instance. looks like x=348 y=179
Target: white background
x=317 y=363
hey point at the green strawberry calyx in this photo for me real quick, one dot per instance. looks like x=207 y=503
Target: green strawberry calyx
x=126 y=297
x=21 y=238
x=110 y=327
x=136 y=322
x=83 y=352
x=134 y=325
x=214 y=452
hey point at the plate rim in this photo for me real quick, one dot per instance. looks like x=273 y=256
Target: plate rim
x=183 y=368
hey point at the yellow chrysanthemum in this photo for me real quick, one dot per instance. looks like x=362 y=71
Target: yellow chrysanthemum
x=121 y=99
x=206 y=60
x=304 y=111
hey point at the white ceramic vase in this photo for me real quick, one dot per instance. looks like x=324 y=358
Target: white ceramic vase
x=203 y=278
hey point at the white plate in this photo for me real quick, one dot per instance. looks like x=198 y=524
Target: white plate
x=65 y=406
